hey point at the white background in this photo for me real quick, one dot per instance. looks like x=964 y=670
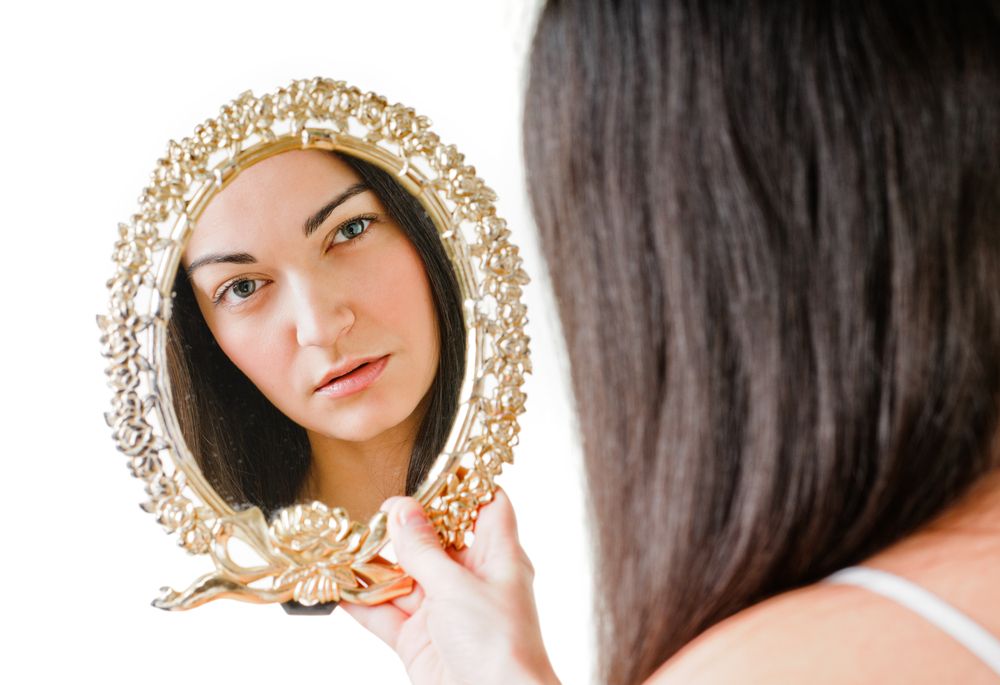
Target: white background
x=92 y=92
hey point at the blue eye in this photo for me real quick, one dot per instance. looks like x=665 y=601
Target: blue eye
x=244 y=289
x=352 y=229
x=239 y=291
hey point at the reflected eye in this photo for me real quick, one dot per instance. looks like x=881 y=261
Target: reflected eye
x=238 y=291
x=352 y=229
x=244 y=289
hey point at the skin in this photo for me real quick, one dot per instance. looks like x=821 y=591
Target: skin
x=831 y=634
x=823 y=634
x=471 y=618
x=354 y=288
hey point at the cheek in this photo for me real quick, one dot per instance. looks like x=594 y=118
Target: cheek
x=251 y=348
x=399 y=296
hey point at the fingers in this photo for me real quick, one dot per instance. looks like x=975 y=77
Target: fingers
x=419 y=550
x=406 y=636
x=388 y=621
x=499 y=524
x=495 y=555
x=497 y=548
x=384 y=620
x=411 y=602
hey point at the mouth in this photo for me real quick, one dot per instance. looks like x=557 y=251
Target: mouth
x=352 y=377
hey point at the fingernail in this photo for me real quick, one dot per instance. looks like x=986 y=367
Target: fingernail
x=387 y=505
x=409 y=513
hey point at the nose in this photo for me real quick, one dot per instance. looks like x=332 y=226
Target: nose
x=320 y=316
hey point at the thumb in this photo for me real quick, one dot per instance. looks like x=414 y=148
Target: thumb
x=419 y=550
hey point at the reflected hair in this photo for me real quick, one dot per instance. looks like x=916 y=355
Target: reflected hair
x=773 y=232
x=251 y=453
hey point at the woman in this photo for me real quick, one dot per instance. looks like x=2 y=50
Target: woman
x=772 y=230
x=317 y=342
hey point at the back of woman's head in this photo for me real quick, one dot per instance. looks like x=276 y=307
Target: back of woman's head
x=772 y=229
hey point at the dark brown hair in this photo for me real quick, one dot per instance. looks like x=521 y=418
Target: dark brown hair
x=250 y=452
x=772 y=231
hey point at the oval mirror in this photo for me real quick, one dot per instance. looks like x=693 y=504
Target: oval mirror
x=315 y=308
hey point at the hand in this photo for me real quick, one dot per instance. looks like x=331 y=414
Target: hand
x=471 y=617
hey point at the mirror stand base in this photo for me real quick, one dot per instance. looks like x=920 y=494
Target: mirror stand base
x=297 y=609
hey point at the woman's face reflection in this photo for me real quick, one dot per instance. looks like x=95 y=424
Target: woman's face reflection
x=302 y=276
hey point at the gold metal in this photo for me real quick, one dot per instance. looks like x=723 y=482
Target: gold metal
x=310 y=553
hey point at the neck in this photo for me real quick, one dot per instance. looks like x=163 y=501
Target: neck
x=977 y=511
x=968 y=530
x=360 y=475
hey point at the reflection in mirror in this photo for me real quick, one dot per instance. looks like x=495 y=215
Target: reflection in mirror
x=316 y=344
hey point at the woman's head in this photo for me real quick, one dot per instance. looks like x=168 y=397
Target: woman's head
x=772 y=232
x=301 y=276
x=314 y=284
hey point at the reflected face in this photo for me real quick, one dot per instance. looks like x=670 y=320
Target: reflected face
x=316 y=294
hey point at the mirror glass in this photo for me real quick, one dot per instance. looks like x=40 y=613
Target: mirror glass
x=316 y=345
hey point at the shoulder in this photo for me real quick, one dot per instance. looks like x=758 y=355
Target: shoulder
x=823 y=634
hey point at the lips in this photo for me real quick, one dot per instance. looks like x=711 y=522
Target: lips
x=339 y=373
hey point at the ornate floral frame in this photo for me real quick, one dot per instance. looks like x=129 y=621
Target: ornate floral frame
x=308 y=553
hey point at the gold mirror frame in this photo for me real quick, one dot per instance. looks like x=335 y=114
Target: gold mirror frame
x=310 y=553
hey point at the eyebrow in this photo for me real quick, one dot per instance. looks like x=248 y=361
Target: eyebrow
x=309 y=227
x=232 y=258
x=314 y=222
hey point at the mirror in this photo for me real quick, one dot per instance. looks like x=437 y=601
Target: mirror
x=317 y=346
x=315 y=307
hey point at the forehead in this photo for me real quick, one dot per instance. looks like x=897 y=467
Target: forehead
x=272 y=199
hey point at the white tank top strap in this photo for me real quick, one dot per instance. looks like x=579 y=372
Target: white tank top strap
x=928 y=605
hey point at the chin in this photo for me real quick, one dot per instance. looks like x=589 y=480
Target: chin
x=359 y=435
x=356 y=428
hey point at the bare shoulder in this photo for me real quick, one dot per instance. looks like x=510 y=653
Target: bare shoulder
x=827 y=635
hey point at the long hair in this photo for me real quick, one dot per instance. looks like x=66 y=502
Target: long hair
x=249 y=451
x=773 y=232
